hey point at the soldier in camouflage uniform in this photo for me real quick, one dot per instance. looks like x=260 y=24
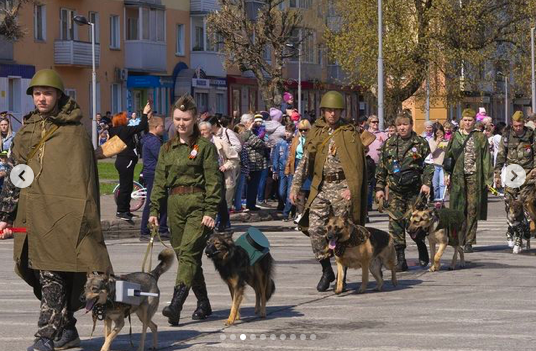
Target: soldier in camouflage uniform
x=471 y=176
x=516 y=148
x=402 y=168
x=335 y=156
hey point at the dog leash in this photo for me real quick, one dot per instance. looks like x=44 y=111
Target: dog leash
x=149 y=251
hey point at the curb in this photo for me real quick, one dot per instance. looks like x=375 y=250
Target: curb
x=119 y=229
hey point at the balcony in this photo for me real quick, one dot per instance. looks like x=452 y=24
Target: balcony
x=75 y=53
x=204 y=6
x=146 y=56
x=210 y=61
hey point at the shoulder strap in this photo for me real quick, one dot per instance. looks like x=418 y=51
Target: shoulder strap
x=41 y=142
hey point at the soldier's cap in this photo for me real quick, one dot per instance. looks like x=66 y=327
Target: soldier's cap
x=186 y=103
x=518 y=117
x=367 y=138
x=469 y=112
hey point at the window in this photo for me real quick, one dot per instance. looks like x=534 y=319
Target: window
x=116 y=98
x=220 y=103
x=199 y=34
x=71 y=93
x=201 y=99
x=114 y=32
x=307 y=46
x=40 y=22
x=303 y=4
x=215 y=43
x=68 y=29
x=267 y=54
x=95 y=19
x=180 y=39
x=153 y=24
x=14 y=92
x=132 y=23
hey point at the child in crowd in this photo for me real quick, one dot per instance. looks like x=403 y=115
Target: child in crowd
x=280 y=157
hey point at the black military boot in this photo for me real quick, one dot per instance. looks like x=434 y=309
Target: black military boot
x=173 y=311
x=401 y=265
x=424 y=259
x=203 y=309
x=68 y=338
x=327 y=275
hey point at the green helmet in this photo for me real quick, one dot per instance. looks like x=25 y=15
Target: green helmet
x=45 y=78
x=332 y=99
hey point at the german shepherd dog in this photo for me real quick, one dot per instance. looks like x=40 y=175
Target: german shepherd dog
x=427 y=220
x=99 y=293
x=232 y=262
x=356 y=246
x=518 y=218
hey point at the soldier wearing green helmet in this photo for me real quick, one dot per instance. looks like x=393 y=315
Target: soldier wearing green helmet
x=335 y=157
x=64 y=243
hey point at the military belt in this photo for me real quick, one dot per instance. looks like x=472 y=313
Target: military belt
x=335 y=177
x=182 y=190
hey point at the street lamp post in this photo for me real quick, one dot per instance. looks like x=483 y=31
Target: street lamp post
x=81 y=20
x=506 y=99
x=292 y=46
x=380 y=66
x=533 y=75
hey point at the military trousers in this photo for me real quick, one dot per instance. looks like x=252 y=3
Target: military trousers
x=188 y=235
x=54 y=314
x=468 y=235
x=400 y=203
x=330 y=196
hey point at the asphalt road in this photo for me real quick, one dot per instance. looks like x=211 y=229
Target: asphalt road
x=489 y=305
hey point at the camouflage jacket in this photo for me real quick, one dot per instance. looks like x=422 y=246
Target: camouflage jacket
x=519 y=150
x=9 y=197
x=409 y=154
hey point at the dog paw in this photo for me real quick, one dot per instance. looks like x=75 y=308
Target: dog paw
x=361 y=290
x=451 y=268
x=229 y=322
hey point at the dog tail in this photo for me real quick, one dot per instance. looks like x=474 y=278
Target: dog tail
x=166 y=258
x=271 y=290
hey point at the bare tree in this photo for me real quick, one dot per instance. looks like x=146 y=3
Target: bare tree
x=10 y=28
x=247 y=38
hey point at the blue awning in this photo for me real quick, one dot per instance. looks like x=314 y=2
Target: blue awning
x=23 y=71
x=149 y=82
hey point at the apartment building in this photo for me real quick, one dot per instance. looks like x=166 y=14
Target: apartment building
x=222 y=91
x=140 y=48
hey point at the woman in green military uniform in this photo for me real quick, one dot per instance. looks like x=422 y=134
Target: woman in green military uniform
x=472 y=174
x=187 y=171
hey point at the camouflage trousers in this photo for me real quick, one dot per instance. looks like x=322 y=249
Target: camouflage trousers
x=471 y=211
x=522 y=230
x=329 y=196
x=54 y=316
x=400 y=203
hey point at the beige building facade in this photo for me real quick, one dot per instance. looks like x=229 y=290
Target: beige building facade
x=139 y=44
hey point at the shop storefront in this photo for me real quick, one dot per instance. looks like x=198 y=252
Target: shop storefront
x=154 y=88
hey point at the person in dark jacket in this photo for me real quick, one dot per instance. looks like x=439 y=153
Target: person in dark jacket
x=151 y=143
x=127 y=159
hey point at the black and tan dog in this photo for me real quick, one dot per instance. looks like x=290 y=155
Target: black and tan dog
x=356 y=246
x=233 y=264
x=99 y=293
x=427 y=221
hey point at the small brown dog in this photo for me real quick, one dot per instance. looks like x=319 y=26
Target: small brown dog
x=99 y=293
x=428 y=221
x=233 y=264
x=356 y=246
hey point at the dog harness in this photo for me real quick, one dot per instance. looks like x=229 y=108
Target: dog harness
x=353 y=241
x=452 y=221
